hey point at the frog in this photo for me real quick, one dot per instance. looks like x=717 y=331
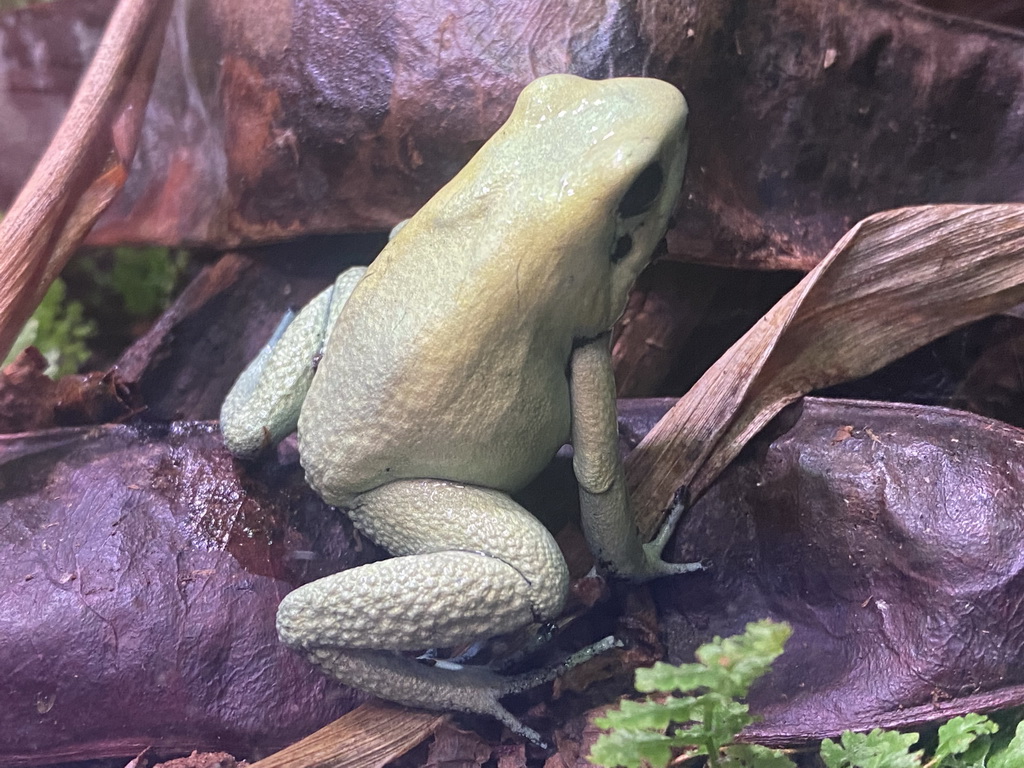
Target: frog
x=429 y=387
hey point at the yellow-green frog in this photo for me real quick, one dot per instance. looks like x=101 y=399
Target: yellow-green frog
x=450 y=372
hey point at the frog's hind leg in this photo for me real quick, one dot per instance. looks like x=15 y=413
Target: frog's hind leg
x=263 y=406
x=470 y=564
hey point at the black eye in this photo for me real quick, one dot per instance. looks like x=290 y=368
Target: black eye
x=642 y=192
x=622 y=248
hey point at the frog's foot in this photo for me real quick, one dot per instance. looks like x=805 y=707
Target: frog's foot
x=476 y=690
x=656 y=567
x=527 y=680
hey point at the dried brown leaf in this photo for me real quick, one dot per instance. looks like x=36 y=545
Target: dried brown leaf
x=203 y=760
x=896 y=281
x=456 y=748
x=511 y=755
x=29 y=399
x=26 y=393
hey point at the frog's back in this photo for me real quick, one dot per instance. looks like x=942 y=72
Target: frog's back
x=448 y=388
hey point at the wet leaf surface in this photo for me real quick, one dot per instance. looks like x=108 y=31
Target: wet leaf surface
x=144 y=565
x=894 y=552
x=140 y=571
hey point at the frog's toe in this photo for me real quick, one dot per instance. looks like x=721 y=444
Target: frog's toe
x=656 y=566
x=516 y=725
x=527 y=680
x=667 y=528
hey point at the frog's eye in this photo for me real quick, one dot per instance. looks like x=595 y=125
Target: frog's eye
x=642 y=192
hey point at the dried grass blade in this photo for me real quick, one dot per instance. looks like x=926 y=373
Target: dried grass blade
x=369 y=736
x=85 y=164
x=896 y=281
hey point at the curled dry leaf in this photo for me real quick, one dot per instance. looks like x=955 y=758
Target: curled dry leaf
x=896 y=281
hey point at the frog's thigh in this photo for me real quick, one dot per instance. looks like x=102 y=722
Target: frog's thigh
x=470 y=564
x=263 y=405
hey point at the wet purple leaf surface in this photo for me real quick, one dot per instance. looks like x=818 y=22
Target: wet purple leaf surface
x=140 y=571
x=891 y=537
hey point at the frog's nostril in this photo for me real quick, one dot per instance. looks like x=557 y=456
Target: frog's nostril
x=622 y=248
x=642 y=192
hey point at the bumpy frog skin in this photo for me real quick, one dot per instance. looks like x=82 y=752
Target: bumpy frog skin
x=450 y=372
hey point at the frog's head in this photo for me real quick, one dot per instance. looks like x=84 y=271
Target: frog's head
x=592 y=170
x=559 y=211
x=640 y=160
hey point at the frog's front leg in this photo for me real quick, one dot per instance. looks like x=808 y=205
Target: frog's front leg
x=604 y=502
x=469 y=564
x=263 y=406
